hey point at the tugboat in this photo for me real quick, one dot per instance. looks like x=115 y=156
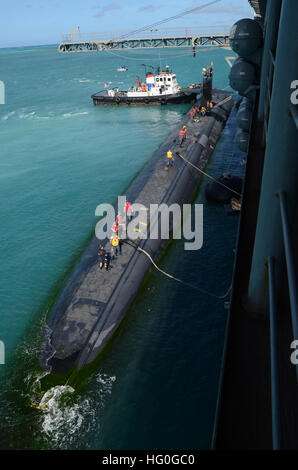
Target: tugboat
x=159 y=89
x=123 y=68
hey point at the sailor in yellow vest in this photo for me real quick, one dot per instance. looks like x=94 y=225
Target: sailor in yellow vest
x=209 y=106
x=115 y=245
x=170 y=159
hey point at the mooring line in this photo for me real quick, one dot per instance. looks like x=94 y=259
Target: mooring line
x=206 y=174
x=133 y=245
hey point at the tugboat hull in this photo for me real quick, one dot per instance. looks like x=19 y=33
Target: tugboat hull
x=103 y=99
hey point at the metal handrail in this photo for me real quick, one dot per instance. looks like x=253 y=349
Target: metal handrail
x=293 y=295
x=290 y=263
x=275 y=398
x=151 y=33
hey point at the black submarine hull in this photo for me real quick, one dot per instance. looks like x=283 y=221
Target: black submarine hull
x=93 y=302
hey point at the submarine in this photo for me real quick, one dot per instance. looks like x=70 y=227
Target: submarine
x=93 y=301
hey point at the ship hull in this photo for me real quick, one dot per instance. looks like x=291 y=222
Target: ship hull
x=103 y=99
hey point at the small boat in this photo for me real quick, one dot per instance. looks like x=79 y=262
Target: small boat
x=122 y=69
x=158 y=89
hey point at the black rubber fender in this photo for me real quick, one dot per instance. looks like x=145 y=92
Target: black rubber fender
x=217 y=193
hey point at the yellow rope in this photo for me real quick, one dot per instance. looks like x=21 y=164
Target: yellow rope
x=177 y=279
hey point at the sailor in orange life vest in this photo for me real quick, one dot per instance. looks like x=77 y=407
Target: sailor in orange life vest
x=121 y=227
x=119 y=219
x=193 y=112
x=128 y=210
x=182 y=135
x=115 y=227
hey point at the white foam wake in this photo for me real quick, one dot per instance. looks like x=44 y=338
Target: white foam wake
x=63 y=413
x=26 y=115
x=7 y=116
x=74 y=114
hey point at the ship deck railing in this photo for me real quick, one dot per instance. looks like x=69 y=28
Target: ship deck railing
x=293 y=300
x=179 y=32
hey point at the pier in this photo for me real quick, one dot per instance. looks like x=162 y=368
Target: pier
x=154 y=38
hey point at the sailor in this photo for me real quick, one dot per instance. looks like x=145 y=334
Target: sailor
x=119 y=219
x=101 y=255
x=107 y=259
x=182 y=135
x=115 y=245
x=193 y=112
x=121 y=225
x=197 y=114
x=115 y=227
x=209 y=106
x=170 y=159
x=128 y=210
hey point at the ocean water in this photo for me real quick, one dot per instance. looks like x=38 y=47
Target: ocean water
x=156 y=384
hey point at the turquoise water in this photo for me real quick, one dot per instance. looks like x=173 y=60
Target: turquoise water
x=156 y=384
